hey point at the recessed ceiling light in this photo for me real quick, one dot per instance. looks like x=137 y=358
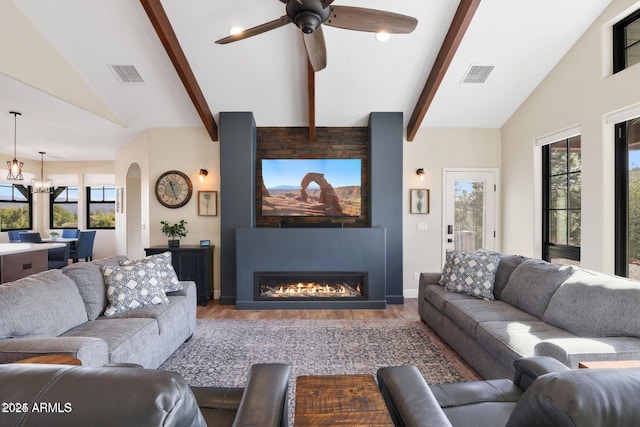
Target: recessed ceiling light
x=234 y=30
x=383 y=37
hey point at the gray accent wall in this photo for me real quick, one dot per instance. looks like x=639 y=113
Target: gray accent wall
x=237 y=191
x=237 y=197
x=386 y=143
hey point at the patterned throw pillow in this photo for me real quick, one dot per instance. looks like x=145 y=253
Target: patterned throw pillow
x=170 y=281
x=470 y=273
x=132 y=286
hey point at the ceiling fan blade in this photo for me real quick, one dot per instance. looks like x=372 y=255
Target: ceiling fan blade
x=272 y=25
x=316 y=49
x=371 y=20
x=326 y=3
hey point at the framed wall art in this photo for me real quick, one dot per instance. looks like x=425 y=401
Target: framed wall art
x=419 y=198
x=207 y=203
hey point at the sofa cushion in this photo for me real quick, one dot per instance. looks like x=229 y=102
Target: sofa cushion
x=41 y=305
x=533 y=283
x=508 y=263
x=128 y=339
x=167 y=316
x=509 y=341
x=470 y=273
x=90 y=282
x=438 y=297
x=469 y=312
x=600 y=305
x=132 y=286
x=168 y=274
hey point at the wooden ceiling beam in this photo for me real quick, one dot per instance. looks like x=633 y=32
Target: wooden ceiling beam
x=167 y=36
x=461 y=20
x=311 y=91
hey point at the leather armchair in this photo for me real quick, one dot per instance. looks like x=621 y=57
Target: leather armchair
x=544 y=392
x=62 y=395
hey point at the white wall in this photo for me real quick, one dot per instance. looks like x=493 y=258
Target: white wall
x=580 y=90
x=157 y=151
x=434 y=149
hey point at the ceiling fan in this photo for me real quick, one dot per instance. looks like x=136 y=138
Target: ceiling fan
x=309 y=15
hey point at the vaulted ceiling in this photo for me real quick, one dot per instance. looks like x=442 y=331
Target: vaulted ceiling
x=55 y=60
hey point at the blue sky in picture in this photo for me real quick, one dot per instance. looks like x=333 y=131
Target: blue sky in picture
x=288 y=173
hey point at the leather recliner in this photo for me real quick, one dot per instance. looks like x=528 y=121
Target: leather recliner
x=544 y=392
x=62 y=395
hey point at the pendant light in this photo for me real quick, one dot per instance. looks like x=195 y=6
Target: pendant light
x=41 y=185
x=15 y=167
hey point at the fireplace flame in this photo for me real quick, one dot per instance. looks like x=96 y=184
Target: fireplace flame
x=306 y=289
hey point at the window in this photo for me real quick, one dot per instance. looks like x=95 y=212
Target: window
x=562 y=186
x=15 y=207
x=627 y=178
x=101 y=207
x=64 y=207
x=626 y=42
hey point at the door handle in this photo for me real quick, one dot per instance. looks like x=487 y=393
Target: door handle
x=451 y=241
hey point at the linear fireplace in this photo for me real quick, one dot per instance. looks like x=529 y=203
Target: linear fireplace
x=304 y=286
x=331 y=257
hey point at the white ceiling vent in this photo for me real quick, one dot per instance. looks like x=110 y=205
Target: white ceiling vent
x=127 y=74
x=477 y=73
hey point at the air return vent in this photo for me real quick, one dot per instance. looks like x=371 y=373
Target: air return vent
x=127 y=74
x=477 y=73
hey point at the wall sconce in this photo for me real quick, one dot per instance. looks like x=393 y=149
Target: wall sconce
x=420 y=173
x=203 y=174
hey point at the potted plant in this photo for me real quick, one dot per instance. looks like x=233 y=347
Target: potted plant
x=54 y=235
x=174 y=232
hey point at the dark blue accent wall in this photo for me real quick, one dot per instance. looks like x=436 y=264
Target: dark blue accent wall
x=386 y=139
x=237 y=194
x=237 y=191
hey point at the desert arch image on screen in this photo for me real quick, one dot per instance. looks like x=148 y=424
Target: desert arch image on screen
x=311 y=187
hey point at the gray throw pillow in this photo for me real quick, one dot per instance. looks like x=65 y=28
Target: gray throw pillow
x=132 y=286
x=471 y=273
x=170 y=281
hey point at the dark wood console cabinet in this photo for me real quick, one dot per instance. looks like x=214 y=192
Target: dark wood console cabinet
x=191 y=262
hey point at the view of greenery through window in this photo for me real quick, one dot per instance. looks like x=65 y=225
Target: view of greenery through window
x=14 y=207
x=565 y=192
x=101 y=207
x=64 y=208
x=469 y=215
x=633 y=241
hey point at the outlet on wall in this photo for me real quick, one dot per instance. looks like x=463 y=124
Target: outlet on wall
x=416 y=275
x=422 y=226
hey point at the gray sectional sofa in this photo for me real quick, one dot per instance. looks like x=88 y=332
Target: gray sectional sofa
x=61 y=311
x=540 y=309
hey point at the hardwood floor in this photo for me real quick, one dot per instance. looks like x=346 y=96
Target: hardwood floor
x=213 y=310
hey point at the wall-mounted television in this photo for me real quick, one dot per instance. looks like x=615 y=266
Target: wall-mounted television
x=311 y=187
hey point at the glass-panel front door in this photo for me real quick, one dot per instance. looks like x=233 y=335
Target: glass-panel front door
x=470 y=210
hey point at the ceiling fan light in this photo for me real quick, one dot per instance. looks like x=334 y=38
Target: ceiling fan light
x=235 y=30
x=383 y=36
x=307 y=21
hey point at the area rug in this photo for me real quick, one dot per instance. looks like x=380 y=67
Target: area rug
x=221 y=351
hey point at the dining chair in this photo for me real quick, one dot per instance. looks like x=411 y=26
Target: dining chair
x=70 y=233
x=84 y=246
x=14 y=235
x=30 y=237
x=58 y=257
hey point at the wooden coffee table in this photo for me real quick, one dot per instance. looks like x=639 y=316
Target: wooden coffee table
x=340 y=400
x=610 y=364
x=52 y=359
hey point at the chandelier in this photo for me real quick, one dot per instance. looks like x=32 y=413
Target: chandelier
x=15 y=167
x=41 y=185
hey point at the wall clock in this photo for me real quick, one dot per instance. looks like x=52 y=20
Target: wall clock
x=173 y=189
